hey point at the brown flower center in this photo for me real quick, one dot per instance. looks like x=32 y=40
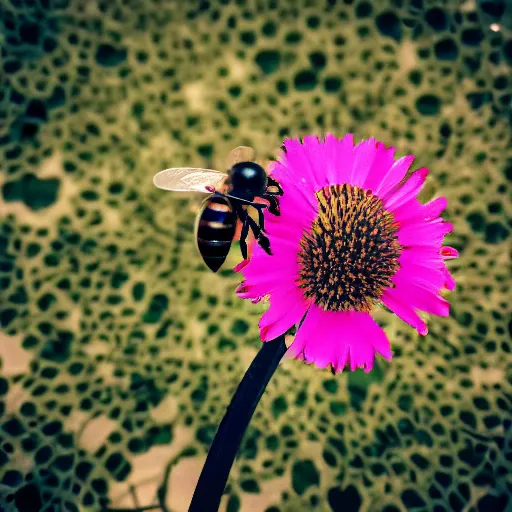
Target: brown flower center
x=351 y=252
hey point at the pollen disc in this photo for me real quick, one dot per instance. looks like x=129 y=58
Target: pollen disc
x=350 y=253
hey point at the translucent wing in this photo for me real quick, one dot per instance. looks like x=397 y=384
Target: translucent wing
x=240 y=154
x=188 y=179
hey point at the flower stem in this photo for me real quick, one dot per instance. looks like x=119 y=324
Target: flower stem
x=214 y=475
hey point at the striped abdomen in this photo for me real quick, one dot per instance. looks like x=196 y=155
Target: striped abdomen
x=216 y=225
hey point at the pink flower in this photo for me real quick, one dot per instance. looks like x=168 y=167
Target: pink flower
x=352 y=235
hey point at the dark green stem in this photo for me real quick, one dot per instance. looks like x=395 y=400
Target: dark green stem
x=224 y=448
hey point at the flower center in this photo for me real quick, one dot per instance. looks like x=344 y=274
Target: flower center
x=351 y=252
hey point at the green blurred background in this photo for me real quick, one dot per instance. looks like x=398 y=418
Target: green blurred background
x=120 y=350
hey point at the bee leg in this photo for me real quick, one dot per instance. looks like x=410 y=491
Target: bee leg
x=243 y=237
x=242 y=215
x=263 y=241
x=261 y=219
x=274 y=204
x=259 y=207
x=271 y=182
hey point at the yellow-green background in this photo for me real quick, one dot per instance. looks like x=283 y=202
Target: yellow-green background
x=120 y=350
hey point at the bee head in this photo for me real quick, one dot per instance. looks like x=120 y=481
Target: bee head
x=248 y=178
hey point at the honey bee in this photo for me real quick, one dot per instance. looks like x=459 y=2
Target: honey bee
x=230 y=194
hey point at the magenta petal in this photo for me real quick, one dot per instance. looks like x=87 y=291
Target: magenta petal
x=362 y=355
x=311 y=141
x=295 y=196
x=258 y=284
x=338 y=159
x=253 y=289
x=409 y=190
x=281 y=266
x=293 y=186
x=239 y=266
x=422 y=264
x=425 y=255
x=449 y=253
x=287 y=307
x=365 y=153
x=431 y=303
x=332 y=154
x=288 y=228
x=342 y=359
x=423 y=234
x=414 y=292
x=299 y=164
x=310 y=343
x=429 y=276
x=244 y=291
x=346 y=160
x=449 y=282
x=382 y=163
x=435 y=207
x=394 y=176
x=404 y=311
x=414 y=211
x=338 y=338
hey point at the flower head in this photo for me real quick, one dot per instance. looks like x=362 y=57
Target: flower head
x=352 y=236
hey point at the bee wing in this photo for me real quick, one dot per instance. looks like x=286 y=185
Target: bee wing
x=188 y=179
x=240 y=154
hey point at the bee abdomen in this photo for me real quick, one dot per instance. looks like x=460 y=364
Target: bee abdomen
x=215 y=230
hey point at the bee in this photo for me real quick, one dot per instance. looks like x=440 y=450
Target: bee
x=230 y=195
